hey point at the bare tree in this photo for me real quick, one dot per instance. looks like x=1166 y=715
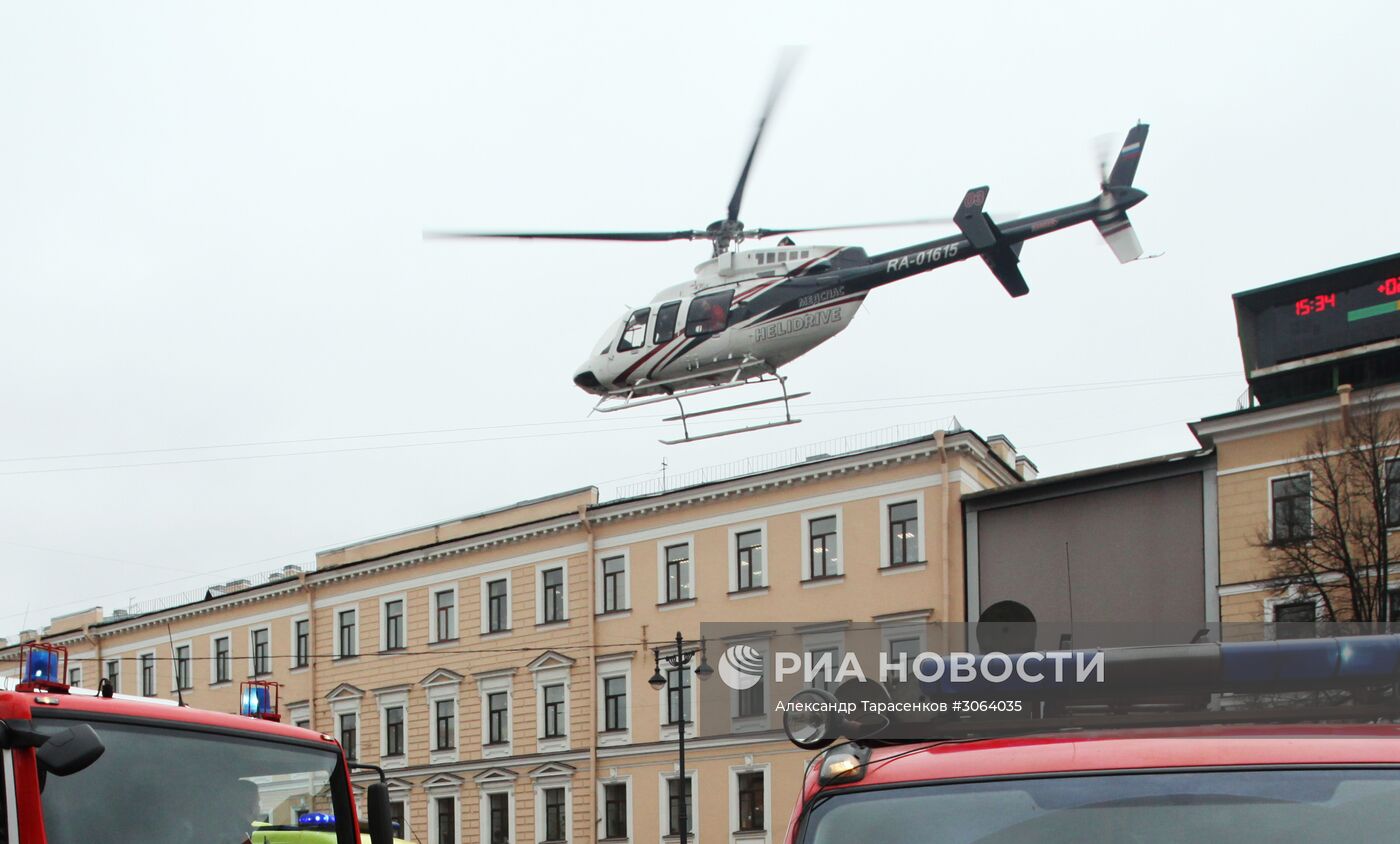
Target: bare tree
x=1338 y=547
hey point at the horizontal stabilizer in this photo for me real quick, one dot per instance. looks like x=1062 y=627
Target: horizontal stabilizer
x=1003 y=264
x=1118 y=232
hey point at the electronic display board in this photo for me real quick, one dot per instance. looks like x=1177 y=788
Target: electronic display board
x=1318 y=314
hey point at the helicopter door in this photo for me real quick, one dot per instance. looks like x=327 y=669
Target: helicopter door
x=634 y=331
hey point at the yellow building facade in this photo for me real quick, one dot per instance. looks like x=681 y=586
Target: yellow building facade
x=497 y=666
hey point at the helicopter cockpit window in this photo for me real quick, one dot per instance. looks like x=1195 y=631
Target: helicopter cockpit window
x=634 y=333
x=708 y=314
x=665 y=322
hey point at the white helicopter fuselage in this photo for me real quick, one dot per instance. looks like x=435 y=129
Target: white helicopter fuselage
x=745 y=314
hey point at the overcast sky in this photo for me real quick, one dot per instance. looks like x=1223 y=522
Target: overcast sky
x=212 y=271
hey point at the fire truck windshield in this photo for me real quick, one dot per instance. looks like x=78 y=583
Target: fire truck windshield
x=1236 y=806
x=182 y=786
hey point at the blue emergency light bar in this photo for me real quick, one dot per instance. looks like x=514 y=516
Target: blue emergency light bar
x=256 y=702
x=1246 y=667
x=316 y=820
x=41 y=666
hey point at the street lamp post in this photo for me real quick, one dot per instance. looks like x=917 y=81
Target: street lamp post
x=678 y=660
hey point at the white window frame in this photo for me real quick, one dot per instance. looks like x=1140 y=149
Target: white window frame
x=487 y=684
x=626 y=555
x=824 y=640
x=437 y=792
x=1293 y=596
x=540 y=569
x=671 y=732
x=292 y=651
x=750 y=768
x=384 y=620
x=116 y=686
x=299 y=712
x=731 y=557
x=554 y=782
x=663 y=800
x=155 y=674
x=75 y=675
x=555 y=676
x=1312 y=517
x=486 y=790
x=888 y=501
x=748 y=723
x=661 y=579
x=614 y=666
x=807 y=519
x=175 y=666
x=401 y=793
x=904 y=626
x=439 y=691
x=386 y=699
x=626 y=782
x=484 y=583
x=335 y=630
x=350 y=707
x=214 y=659
x=436 y=634
x=252 y=651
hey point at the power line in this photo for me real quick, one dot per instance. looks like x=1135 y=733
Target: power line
x=868 y=404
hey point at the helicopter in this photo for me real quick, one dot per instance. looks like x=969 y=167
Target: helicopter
x=749 y=312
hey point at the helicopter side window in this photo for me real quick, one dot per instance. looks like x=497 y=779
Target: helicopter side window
x=665 y=322
x=708 y=314
x=634 y=333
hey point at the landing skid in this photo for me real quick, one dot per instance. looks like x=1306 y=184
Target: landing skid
x=677 y=392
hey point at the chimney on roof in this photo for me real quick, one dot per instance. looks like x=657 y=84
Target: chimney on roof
x=235 y=585
x=1025 y=468
x=28 y=636
x=291 y=571
x=1003 y=448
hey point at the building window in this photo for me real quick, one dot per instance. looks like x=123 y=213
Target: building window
x=751 y=701
x=614 y=584
x=552 y=595
x=677 y=696
x=748 y=560
x=221 y=659
x=679 y=789
x=1298 y=619
x=678 y=572
x=614 y=703
x=301 y=638
x=182 y=668
x=148 y=675
x=347 y=639
x=615 y=810
x=554 y=815
x=446 y=820
x=262 y=655
x=750 y=802
x=553 y=698
x=75 y=676
x=904 y=533
x=498 y=818
x=393 y=625
x=497 y=606
x=825 y=679
x=114 y=674
x=444 y=724
x=349 y=729
x=497 y=718
x=1292 y=508
x=821 y=540
x=393 y=731
x=445 y=615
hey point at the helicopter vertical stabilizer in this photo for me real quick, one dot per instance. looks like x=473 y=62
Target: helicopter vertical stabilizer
x=1001 y=257
x=1114 y=225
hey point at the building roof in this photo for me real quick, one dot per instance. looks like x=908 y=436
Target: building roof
x=1099 y=477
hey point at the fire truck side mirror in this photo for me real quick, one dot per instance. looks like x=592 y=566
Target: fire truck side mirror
x=70 y=750
x=381 y=830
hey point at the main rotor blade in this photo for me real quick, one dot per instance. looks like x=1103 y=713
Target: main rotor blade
x=626 y=236
x=924 y=221
x=785 y=63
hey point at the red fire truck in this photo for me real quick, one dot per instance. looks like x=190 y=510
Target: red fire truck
x=1250 y=742
x=84 y=766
